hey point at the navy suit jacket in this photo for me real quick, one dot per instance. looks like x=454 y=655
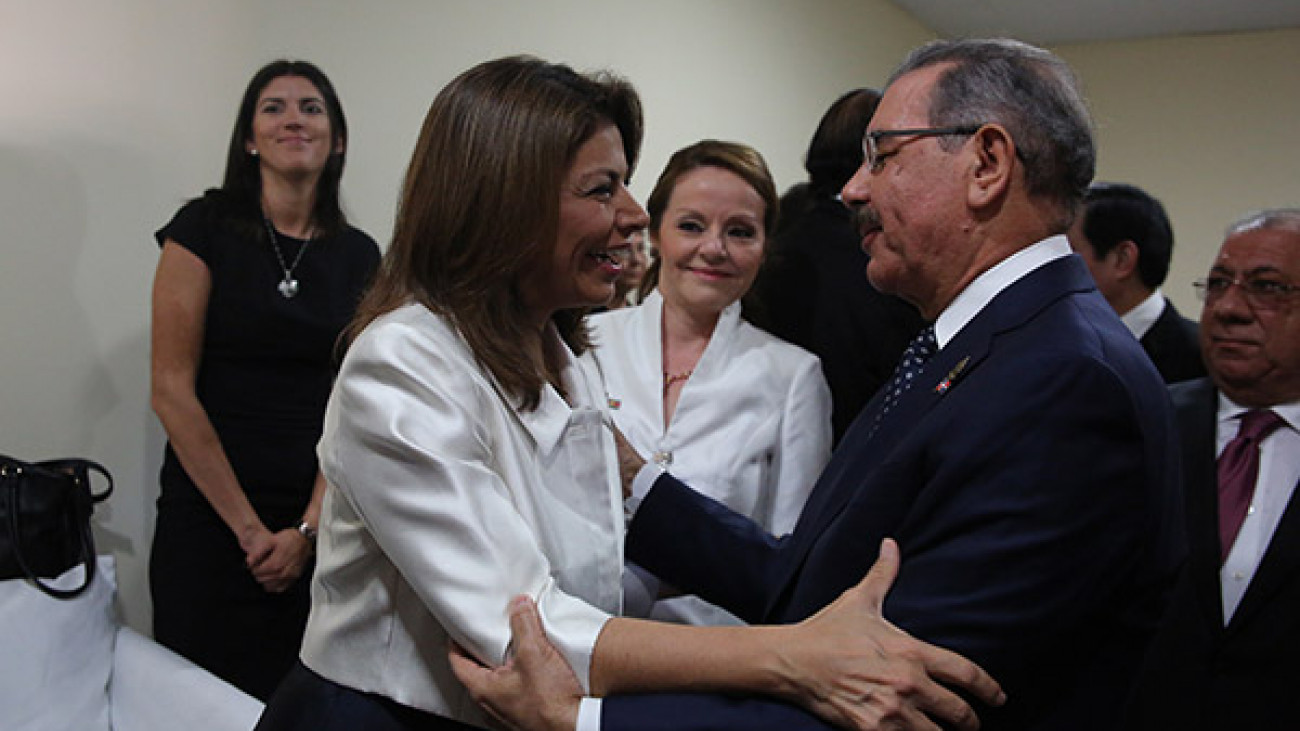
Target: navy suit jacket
x=1201 y=674
x=1030 y=479
x=1174 y=344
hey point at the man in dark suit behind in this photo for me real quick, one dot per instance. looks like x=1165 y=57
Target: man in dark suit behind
x=1226 y=654
x=1029 y=472
x=812 y=289
x=1124 y=236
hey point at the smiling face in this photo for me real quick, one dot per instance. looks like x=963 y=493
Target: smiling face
x=1253 y=352
x=910 y=206
x=597 y=223
x=710 y=240
x=291 y=131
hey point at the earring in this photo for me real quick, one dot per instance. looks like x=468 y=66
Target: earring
x=253 y=152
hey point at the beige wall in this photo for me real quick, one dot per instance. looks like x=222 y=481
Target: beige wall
x=113 y=113
x=1207 y=124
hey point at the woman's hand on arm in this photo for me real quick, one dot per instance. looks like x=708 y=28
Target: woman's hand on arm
x=846 y=664
x=852 y=667
x=182 y=286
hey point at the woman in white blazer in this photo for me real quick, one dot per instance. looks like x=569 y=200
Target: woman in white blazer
x=736 y=413
x=469 y=453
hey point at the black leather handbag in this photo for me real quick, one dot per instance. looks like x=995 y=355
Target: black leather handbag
x=45 y=512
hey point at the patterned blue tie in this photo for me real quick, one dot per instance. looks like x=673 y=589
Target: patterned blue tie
x=919 y=351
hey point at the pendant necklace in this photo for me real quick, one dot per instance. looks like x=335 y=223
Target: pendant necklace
x=671 y=378
x=289 y=285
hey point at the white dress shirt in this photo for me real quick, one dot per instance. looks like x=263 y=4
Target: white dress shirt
x=751 y=428
x=976 y=296
x=445 y=501
x=1279 y=470
x=1141 y=318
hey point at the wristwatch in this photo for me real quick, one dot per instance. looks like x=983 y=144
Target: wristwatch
x=308 y=532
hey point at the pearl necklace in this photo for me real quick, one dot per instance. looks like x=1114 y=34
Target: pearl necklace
x=289 y=285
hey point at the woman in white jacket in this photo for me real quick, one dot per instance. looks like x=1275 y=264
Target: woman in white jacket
x=736 y=413
x=468 y=452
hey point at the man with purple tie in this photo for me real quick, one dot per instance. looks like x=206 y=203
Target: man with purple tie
x=1225 y=655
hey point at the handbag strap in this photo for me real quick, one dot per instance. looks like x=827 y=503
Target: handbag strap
x=78 y=470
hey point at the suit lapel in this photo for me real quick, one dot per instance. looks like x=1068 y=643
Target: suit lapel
x=1156 y=339
x=861 y=452
x=1196 y=404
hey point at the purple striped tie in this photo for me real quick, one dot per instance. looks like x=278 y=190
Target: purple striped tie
x=1238 y=468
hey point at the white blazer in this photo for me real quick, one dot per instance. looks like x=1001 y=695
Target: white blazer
x=751 y=429
x=445 y=501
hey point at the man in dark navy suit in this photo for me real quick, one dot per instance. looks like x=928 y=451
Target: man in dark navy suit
x=1225 y=655
x=1124 y=236
x=1024 y=455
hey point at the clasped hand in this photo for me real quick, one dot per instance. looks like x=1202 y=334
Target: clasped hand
x=277 y=559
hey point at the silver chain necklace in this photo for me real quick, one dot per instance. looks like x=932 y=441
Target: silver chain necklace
x=289 y=285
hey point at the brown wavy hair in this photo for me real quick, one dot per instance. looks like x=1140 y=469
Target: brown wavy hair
x=480 y=204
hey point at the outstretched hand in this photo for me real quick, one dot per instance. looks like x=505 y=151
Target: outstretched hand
x=535 y=690
x=856 y=669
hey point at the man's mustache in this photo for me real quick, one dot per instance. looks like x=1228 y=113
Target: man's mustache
x=866 y=219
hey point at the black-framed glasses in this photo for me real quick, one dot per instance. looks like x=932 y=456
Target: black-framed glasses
x=1261 y=293
x=871 y=140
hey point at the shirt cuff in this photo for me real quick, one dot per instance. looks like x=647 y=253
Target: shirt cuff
x=588 y=715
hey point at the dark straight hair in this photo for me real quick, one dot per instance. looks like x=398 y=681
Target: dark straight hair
x=239 y=199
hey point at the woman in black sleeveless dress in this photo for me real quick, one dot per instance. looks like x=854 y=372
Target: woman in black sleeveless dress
x=255 y=282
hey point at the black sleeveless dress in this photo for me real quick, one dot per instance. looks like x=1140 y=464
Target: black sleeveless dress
x=264 y=377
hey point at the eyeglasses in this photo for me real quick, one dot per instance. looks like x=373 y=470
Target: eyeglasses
x=871 y=140
x=1260 y=293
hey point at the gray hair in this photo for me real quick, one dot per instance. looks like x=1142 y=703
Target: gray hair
x=1285 y=219
x=1030 y=92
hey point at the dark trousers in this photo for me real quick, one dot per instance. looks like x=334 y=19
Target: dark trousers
x=307 y=702
x=209 y=608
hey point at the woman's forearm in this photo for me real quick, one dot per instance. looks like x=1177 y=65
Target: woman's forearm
x=182 y=287
x=311 y=514
x=633 y=655
x=199 y=450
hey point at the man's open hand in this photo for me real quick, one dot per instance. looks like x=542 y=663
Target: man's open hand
x=862 y=672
